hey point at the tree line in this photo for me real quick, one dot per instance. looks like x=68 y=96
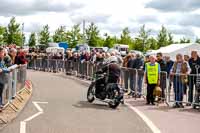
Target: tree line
x=143 y=41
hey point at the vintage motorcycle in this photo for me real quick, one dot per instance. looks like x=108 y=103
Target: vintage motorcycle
x=110 y=93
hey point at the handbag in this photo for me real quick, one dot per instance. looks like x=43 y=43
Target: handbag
x=157 y=91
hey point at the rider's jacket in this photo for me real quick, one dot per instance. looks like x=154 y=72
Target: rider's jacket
x=113 y=71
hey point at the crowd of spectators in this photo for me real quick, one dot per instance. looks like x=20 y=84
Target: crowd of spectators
x=178 y=72
x=181 y=74
x=8 y=58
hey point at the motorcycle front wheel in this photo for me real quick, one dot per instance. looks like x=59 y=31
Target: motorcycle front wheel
x=91 y=93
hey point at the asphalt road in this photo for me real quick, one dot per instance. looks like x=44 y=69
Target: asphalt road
x=68 y=111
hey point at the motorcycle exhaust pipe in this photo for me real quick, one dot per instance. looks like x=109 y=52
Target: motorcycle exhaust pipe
x=105 y=101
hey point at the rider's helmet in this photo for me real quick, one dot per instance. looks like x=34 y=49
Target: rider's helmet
x=112 y=59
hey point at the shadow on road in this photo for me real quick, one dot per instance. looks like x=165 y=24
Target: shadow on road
x=138 y=103
x=190 y=110
x=85 y=104
x=165 y=108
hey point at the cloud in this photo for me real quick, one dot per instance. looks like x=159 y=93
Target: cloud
x=147 y=19
x=182 y=31
x=190 y=20
x=174 y=5
x=23 y=7
x=96 y=18
x=33 y=27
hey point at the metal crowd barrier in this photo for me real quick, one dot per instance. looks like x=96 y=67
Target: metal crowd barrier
x=50 y=65
x=71 y=67
x=184 y=89
x=12 y=84
x=132 y=79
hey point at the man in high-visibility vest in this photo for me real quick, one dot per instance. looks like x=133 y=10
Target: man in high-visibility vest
x=151 y=78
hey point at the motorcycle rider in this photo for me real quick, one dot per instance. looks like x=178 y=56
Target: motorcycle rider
x=112 y=69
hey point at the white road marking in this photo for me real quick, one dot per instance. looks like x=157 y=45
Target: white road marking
x=41 y=102
x=22 y=127
x=33 y=116
x=150 y=124
x=38 y=107
x=23 y=123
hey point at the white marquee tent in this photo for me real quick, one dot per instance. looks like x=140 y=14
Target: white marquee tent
x=173 y=49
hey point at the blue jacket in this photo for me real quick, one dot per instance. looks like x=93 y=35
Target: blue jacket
x=3 y=66
x=169 y=66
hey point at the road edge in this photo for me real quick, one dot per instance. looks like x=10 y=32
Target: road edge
x=22 y=107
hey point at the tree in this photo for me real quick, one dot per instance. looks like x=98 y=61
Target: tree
x=59 y=35
x=109 y=41
x=13 y=33
x=170 y=38
x=92 y=35
x=141 y=41
x=152 y=42
x=32 y=40
x=197 y=40
x=44 y=35
x=185 y=40
x=163 y=37
x=125 y=37
x=74 y=36
x=100 y=42
x=2 y=32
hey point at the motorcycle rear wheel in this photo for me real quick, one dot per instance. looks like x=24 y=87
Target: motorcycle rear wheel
x=115 y=103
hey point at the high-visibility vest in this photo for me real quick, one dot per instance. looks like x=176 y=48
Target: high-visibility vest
x=152 y=73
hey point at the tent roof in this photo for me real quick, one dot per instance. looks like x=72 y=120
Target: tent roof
x=172 y=48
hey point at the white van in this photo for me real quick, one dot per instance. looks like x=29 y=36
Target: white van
x=82 y=47
x=55 y=50
x=122 y=49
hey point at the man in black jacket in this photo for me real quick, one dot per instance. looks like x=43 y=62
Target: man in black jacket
x=163 y=75
x=132 y=74
x=138 y=64
x=194 y=62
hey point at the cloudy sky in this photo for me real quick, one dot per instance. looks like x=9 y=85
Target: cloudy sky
x=181 y=17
